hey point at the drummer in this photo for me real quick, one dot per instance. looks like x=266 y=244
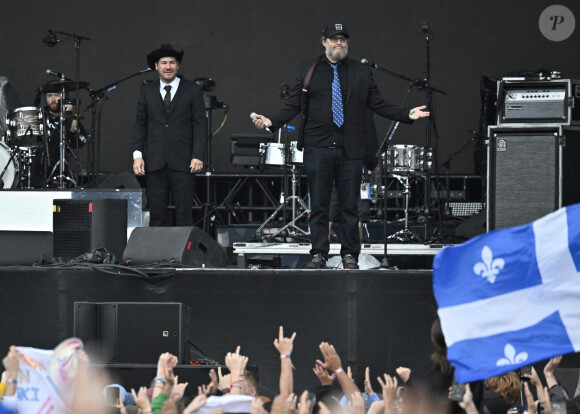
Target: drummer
x=71 y=124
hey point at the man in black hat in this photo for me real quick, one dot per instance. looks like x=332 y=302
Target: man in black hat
x=333 y=92
x=169 y=137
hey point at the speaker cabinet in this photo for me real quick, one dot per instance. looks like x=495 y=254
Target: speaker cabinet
x=23 y=248
x=531 y=172
x=133 y=332
x=82 y=225
x=185 y=245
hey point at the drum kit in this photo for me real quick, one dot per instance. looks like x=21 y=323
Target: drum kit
x=24 y=148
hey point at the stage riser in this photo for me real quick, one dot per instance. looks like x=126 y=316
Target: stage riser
x=376 y=318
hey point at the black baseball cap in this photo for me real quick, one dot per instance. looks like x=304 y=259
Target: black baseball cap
x=334 y=28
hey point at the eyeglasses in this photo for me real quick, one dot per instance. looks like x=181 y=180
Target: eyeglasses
x=336 y=39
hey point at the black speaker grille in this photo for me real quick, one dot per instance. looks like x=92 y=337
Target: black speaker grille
x=72 y=225
x=524 y=177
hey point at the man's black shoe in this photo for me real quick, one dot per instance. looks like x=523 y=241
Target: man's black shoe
x=317 y=262
x=349 y=262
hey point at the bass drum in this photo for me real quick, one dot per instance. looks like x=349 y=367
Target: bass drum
x=10 y=178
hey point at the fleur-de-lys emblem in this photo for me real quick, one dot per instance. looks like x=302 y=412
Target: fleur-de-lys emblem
x=489 y=267
x=510 y=356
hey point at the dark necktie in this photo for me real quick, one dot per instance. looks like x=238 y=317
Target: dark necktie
x=337 y=111
x=167 y=98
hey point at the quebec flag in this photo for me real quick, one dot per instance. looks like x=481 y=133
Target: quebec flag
x=511 y=297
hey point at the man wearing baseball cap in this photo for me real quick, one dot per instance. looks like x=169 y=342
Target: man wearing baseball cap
x=333 y=94
x=169 y=137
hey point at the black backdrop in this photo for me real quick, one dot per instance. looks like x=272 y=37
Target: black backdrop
x=248 y=47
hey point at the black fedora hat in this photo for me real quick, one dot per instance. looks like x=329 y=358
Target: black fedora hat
x=166 y=50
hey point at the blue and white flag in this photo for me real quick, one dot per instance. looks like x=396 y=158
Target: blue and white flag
x=511 y=297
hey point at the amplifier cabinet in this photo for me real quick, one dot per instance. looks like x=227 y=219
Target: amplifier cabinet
x=531 y=172
x=549 y=102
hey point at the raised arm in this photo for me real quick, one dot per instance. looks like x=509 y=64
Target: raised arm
x=285 y=347
x=332 y=363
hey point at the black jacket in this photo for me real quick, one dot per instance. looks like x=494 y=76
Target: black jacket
x=362 y=93
x=171 y=137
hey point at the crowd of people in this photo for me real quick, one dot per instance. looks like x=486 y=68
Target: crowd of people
x=238 y=390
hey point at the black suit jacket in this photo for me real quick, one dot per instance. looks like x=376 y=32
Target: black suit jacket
x=362 y=94
x=172 y=137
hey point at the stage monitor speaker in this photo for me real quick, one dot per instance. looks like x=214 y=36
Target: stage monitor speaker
x=531 y=172
x=133 y=332
x=23 y=248
x=81 y=225
x=184 y=245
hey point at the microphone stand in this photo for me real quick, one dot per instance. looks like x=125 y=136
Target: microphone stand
x=432 y=133
x=420 y=84
x=98 y=98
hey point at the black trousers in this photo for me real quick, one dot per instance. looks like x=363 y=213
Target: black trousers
x=179 y=184
x=324 y=166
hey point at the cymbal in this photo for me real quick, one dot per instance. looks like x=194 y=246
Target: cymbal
x=67 y=85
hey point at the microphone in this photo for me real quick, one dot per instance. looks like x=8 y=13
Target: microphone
x=425 y=26
x=57 y=74
x=145 y=70
x=50 y=39
x=253 y=116
x=366 y=62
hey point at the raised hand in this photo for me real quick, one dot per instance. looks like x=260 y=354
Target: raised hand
x=323 y=376
x=284 y=345
x=331 y=359
x=141 y=399
x=305 y=403
x=368 y=385
x=178 y=389
x=236 y=363
x=389 y=386
x=224 y=381
x=404 y=373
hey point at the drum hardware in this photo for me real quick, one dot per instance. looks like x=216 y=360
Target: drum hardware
x=277 y=154
x=67 y=86
x=405 y=235
x=293 y=229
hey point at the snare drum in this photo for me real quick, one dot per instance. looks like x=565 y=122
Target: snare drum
x=10 y=177
x=18 y=121
x=296 y=156
x=408 y=159
x=272 y=153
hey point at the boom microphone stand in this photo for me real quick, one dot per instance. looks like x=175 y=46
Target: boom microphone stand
x=420 y=84
x=98 y=98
